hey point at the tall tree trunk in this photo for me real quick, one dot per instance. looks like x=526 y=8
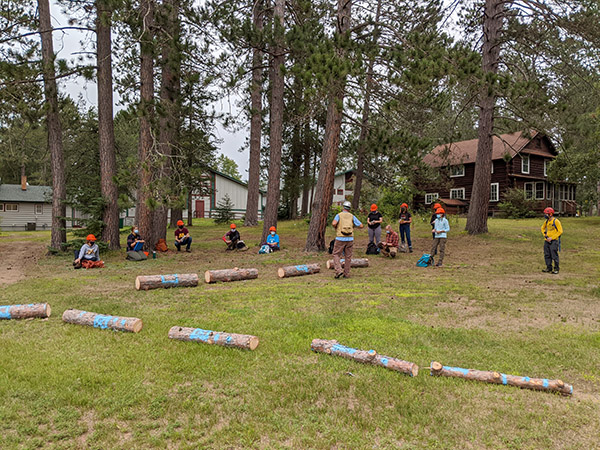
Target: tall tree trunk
x=324 y=190
x=364 y=124
x=480 y=197
x=146 y=143
x=190 y=205
x=275 y=121
x=169 y=121
x=306 y=180
x=176 y=215
x=59 y=190
x=106 y=131
x=255 y=123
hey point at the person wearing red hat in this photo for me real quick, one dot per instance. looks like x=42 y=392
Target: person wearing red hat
x=88 y=252
x=374 y=223
x=440 y=228
x=433 y=217
x=232 y=237
x=405 y=221
x=552 y=230
x=272 y=239
x=182 y=237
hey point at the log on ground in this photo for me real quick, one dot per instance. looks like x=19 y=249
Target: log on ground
x=245 y=341
x=356 y=262
x=32 y=310
x=397 y=365
x=538 y=384
x=91 y=319
x=146 y=282
x=298 y=271
x=235 y=274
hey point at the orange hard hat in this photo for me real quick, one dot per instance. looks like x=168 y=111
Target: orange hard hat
x=272 y=229
x=232 y=226
x=404 y=205
x=549 y=211
x=436 y=206
x=373 y=207
x=90 y=237
x=179 y=223
x=440 y=211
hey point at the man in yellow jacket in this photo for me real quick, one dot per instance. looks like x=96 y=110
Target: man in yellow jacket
x=552 y=230
x=344 y=224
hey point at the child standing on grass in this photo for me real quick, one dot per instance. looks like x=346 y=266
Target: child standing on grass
x=440 y=230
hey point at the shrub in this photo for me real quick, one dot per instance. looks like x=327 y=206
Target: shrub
x=224 y=210
x=516 y=206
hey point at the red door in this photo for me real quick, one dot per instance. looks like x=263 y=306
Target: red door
x=199 y=214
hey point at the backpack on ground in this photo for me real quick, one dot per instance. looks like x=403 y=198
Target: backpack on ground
x=161 y=246
x=403 y=248
x=241 y=246
x=372 y=249
x=264 y=249
x=425 y=261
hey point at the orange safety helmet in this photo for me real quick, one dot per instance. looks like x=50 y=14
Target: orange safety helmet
x=373 y=207
x=90 y=237
x=272 y=229
x=232 y=226
x=179 y=223
x=404 y=205
x=436 y=206
x=549 y=211
x=440 y=211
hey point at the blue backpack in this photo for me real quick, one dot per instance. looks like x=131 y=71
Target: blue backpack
x=425 y=261
x=264 y=249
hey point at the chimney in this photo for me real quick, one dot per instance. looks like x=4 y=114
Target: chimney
x=23 y=179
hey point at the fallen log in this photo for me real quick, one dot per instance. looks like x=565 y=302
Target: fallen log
x=298 y=271
x=356 y=262
x=235 y=274
x=538 y=384
x=41 y=310
x=397 y=365
x=102 y=321
x=214 y=337
x=145 y=282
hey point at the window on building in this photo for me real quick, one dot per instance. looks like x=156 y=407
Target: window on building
x=458 y=193
x=11 y=207
x=494 y=192
x=524 y=163
x=1 y=207
x=431 y=197
x=545 y=168
x=539 y=190
x=457 y=171
x=492 y=167
x=572 y=192
x=340 y=192
x=39 y=209
x=528 y=187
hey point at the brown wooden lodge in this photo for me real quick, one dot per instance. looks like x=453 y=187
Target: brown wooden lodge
x=519 y=160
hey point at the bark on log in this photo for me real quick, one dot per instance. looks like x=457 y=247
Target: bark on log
x=235 y=274
x=166 y=281
x=538 y=384
x=333 y=347
x=96 y=320
x=297 y=271
x=214 y=337
x=41 y=310
x=356 y=262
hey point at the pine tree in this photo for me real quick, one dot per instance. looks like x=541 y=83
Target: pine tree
x=224 y=210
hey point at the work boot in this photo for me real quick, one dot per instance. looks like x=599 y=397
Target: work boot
x=547 y=270
x=410 y=250
x=338 y=275
x=555 y=272
x=188 y=250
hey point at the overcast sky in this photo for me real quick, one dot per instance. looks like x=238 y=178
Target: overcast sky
x=67 y=45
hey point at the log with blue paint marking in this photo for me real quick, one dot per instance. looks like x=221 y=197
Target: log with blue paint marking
x=32 y=310
x=103 y=321
x=333 y=347
x=538 y=384
x=145 y=282
x=298 y=271
x=245 y=341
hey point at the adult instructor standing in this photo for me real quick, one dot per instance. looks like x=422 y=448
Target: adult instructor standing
x=344 y=224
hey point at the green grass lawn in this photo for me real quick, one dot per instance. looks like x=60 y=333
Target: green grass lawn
x=64 y=386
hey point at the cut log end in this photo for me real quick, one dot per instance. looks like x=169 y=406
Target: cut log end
x=253 y=343
x=207 y=276
x=137 y=283
x=137 y=326
x=281 y=272
x=436 y=366
x=48 y=310
x=414 y=371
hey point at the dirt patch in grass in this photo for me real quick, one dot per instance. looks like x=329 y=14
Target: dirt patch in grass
x=88 y=420
x=16 y=257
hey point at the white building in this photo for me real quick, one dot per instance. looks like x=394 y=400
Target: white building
x=341 y=184
x=24 y=207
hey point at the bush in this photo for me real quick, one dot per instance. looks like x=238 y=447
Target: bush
x=224 y=210
x=516 y=206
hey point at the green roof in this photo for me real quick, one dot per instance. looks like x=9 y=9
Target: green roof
x=33 y=194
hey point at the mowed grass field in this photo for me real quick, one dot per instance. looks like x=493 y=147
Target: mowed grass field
x=66 y=387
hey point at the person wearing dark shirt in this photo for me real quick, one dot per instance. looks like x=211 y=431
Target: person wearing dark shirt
x=232 y=237
x=405 y=221
x=134 y=245
x=182 y=237
x=374 y=222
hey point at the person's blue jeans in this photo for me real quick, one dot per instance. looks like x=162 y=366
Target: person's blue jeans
x=185 y=241
x=405 y=234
